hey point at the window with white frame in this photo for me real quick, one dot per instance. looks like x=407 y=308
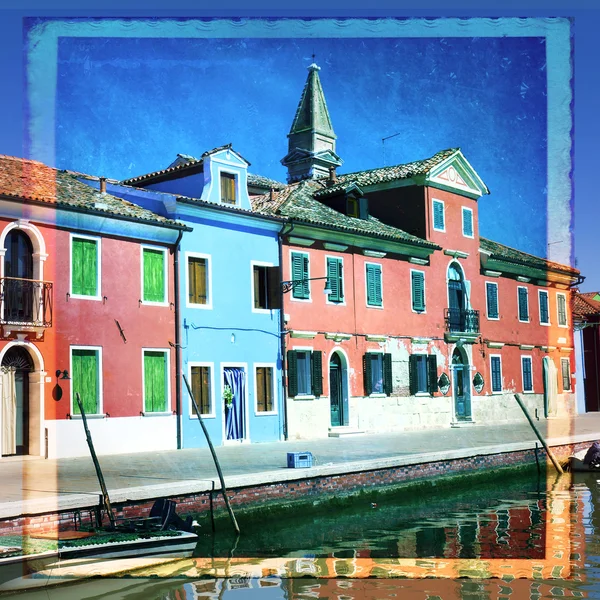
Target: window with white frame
x=422 y=373
x=377 y=373
x=304 y=372
x=527 y=373
x=266 y=281
x=373 y=284
x=561 y=307
x=86 y=379
x=265 y=388
x=156 y=381
x=85 y=267
x=439 y=217
x=202 y=388
x=496 y=368
x=565 y=369
x=544 y=310
x=523 y=303
x=491 y=292
x=417 y=281
x=467 y=222
x=198 y=280
x=335 y=278
x=154 y=275
x=299 y=269
x=228 y=188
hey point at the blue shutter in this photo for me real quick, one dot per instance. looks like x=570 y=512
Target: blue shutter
x=544 y=315
x=418 y=291
x=527 y=381
x=496 y=374
x=467 y=222
x=492 y=300
x=438 y=215
x=523 y=308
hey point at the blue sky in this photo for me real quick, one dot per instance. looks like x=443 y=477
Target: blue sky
x=128 y=106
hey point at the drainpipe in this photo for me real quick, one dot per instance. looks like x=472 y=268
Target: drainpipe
x=282 y=330
x=177 y=341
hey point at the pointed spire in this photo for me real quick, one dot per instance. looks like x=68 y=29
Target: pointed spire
x=311 y=146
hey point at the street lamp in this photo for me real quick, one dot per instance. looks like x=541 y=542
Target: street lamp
x=287 y=286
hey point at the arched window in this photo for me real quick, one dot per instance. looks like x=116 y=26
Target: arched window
x=17 y=290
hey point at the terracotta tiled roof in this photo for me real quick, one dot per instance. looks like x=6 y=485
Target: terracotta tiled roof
x=296 y=201
x=264 y=182
x=502 y=252
x=33 y=181
x=584 y=305
x=385 y=174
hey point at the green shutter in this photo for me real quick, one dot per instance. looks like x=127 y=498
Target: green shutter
x=367 y=374
x=334 y=276
x=418 y=291
x=374 y=285
x=523 y=308
x=438 y=215
x=84 y=364
x=496 y=374
x=84 y=267
x=155 y=382
x=300 y=272
x=388 y=384
x=492 y=300
x=544 y=307
x=562 y=310
x=316 y=360
x=527 y=381
x=292 y=373
x=413 y=375
x=432 y=377
x=154 y=275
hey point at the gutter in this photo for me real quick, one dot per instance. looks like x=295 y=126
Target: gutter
x=177 y=342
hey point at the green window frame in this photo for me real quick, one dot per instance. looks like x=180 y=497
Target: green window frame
x=523 y=298
x=544 y=307
x=85 y=379
x=373 y=284
x=467 y=222
x=526 y=362
x=201 y=378
x=85 y=266
x=300 y=291
x=491 y=292
x=153 y=275
x=561 y=306
x=439 y=221
x=156 y=381
x=335 y=278
x=417 y=279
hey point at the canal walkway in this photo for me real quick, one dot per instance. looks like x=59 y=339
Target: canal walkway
x=34 y=486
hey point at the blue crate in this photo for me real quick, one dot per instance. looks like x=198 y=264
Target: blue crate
x=297 y=460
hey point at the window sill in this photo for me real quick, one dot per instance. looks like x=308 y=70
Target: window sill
x=377 y=306
x=304 y=397
x=264 y=311
x=94 y=416
x=195 y=417
x=148 y=303
x=524 y=321
x=493 y=318
x=378 y=395
x=498 y=393
x=157 y=414
x=81 y=297
x=422 y=395
x=265 y=414
x=528 y=392
x=191 y=305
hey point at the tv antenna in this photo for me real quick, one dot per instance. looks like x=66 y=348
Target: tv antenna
x=383 y=144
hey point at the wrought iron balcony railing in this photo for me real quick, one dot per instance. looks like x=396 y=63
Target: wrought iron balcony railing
x=462 y=320
x=25 y=302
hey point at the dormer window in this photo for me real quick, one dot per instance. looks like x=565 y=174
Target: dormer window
x=228 y=195
x=352 y=207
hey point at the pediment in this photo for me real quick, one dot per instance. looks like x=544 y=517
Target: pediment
x=231 y=157
x=457 y=175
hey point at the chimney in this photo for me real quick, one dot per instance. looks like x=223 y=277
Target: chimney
x=103 y=185
x=272 y=194
x=332 y=176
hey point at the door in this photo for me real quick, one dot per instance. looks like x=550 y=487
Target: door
x=234 y=399
x=18 y=272
x=336 y=393
x=462 y=396
x=456 y=299
x=550 y=387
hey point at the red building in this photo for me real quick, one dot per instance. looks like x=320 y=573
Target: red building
x=82 y=275
x=427 y=324
x=586 y=313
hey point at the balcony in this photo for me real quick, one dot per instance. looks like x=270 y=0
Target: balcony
x=461 y=323
x=25 y=305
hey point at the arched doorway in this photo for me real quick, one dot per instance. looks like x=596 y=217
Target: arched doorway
x=16 y=366
x=457 y=298
x=461 y=385
x=338 y=391
x=18 y=273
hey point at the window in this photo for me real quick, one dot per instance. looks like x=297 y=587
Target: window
x=352 y=207
x=418 y=290
x=85 y=267
x=561 y=303
x=377 y=373
x=228 y=188
x=374 y=296
x=565 y=369
x=544 y=312
x=300 y=272
x=85 y=373
x=496 y=373
x=491 y=290
x=526 y=370
x=155 y=381
x=305 y=373
x=523 y=298
x=335 y=279
x=439 y=222
x=201 y=378
x=198 y=281
x=264 y=389
x=422 y=373
x=154 y=277
x=266 y=287
x=467 y=222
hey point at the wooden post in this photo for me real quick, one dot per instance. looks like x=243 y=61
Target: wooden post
x=214 y=455
x=88 y=437
x=539 y=435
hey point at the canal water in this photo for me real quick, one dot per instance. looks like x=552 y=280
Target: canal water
x=520 y=536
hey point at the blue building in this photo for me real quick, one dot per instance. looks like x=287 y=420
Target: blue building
x=228 y=296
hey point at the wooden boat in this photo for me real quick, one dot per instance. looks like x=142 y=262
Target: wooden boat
x=576 y=463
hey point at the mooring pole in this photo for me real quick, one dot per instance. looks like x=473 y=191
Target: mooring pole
x=214 y=455
x=539 y=435
x=88 y=437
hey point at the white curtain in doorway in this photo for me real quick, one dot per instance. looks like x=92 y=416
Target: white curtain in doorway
x=9 y=411
x=550 y=387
